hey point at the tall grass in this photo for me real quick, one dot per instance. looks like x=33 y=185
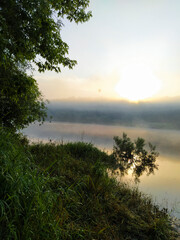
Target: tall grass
x=26 y=199
x=56 y=191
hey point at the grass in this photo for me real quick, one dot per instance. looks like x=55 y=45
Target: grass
x=62 y=191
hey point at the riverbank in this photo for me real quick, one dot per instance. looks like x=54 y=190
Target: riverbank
x=62 y=191
x=163 y=186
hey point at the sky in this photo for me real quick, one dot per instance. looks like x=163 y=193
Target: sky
x=128 y=50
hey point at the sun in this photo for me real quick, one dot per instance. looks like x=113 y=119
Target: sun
x=137 y=83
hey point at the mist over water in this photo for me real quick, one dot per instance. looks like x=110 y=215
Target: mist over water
x=163 y=186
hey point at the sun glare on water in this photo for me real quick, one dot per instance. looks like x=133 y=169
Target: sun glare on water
x=137 y=83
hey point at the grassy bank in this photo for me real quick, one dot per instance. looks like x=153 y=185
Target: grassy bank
x=62 y=191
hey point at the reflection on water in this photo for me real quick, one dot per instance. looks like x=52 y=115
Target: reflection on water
x=164 y=186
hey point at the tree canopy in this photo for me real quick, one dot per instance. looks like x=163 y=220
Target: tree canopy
x=21 y=102
x=30 y=32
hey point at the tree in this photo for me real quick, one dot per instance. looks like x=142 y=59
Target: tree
x=30 y=33
x=21 y=102
x=133 y=155
x=31 y=28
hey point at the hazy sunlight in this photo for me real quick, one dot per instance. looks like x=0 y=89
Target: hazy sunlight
x=137 y=82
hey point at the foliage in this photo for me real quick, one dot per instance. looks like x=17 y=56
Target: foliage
x=133 y=156
x=31 y=28
x=21 y=102
x=30 y=33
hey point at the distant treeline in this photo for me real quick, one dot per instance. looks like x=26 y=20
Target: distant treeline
x=159 y=115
